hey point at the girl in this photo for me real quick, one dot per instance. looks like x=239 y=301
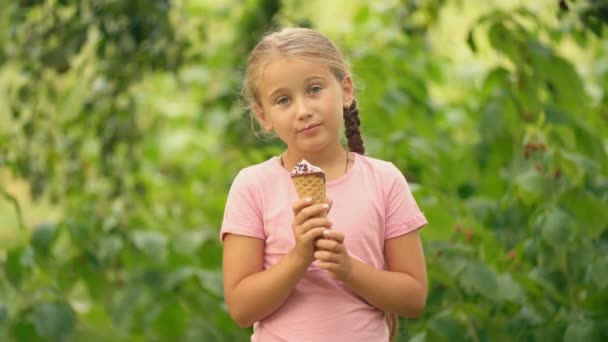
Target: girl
x=322 y=272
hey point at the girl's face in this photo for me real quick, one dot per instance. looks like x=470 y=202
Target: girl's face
x=302 y=103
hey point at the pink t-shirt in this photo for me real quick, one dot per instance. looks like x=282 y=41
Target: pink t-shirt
x=372 y=203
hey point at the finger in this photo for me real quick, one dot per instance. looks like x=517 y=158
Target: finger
x=327 y=256
x=312 y=223
x=330 y=202
x=312 y=234
x=311 y=211
x=300 y=204
x=327 y=244
x=327 y=266
x=334 y=235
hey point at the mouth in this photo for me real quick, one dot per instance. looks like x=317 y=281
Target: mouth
x=307 y=128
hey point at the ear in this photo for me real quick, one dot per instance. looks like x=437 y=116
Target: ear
x=262 y=118
x=348 y=91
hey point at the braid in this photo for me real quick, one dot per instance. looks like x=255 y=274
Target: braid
x=351 y=129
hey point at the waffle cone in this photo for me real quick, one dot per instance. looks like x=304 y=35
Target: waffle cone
x=310 y=185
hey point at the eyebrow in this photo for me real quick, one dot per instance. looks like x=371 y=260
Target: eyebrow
x=308 y=79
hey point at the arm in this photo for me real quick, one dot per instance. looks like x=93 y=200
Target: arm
x=253 y=293
x=402 y=289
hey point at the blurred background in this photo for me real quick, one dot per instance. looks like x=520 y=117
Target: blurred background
x=121 y=131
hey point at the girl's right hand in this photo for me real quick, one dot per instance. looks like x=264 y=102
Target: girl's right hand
x=309 y=223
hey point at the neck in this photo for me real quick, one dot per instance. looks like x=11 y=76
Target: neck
x=333 y=161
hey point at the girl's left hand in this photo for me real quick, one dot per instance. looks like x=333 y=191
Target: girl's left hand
x=333 y=256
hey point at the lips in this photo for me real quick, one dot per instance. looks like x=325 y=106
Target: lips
x=308 y=127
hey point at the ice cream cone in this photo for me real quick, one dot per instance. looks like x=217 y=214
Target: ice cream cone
x=310 y=185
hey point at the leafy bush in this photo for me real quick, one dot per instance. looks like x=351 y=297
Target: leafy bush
x=122 y=119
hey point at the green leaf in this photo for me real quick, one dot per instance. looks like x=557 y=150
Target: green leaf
x=496 y=81
x=125 y=304
x=566 y=84
x=530 y=186
x=3 y=314
x=445 y=325
x=43 y=237
x=580 y=330
x=55 y=321
x=507 y=40
x=419 y=337
x=212 y=281
x=13 y=268
x=471 y=40
x=171 y=321
x=362 y=15
x=453 y=266
x=109 y=247
x=557 y=228
x=189 y=241
x=448 y=247
x=509 y=289
x=177 y=277
x=24 y=331
x=211 y=254
x=153 y=244
x=530 y=315
x=588 y=211
x=479 y=278
x=80 y=232
x=598 y=272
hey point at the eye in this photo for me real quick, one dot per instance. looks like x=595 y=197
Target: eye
x=283 y=100
x=315 y=89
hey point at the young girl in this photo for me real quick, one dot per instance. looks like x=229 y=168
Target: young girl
x=333 y=271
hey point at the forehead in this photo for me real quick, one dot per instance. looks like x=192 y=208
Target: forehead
x=285 y=71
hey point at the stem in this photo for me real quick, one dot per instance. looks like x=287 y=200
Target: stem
x=15 y=203
x=474 y=334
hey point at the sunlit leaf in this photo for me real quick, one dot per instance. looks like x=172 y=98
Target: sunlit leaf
x=530 y=186
x=580 y=330
x=598 y=272
x=153 y=244
x=557 y=228
x=509 y=289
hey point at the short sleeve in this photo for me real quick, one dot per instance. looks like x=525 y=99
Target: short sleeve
x=402 y=212
x=242 y=214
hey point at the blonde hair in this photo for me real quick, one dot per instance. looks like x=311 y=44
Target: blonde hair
x=298 y=43
x=304 y=44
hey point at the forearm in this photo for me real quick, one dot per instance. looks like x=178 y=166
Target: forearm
x=394 y=292
x=260 y=294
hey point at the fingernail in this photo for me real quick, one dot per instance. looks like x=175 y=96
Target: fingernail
x=308 y=199
x=325 y=206
x=326 y=233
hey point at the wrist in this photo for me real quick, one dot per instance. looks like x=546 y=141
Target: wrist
x=297 y=259
x=348 y=275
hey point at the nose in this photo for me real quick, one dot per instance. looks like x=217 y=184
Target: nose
x=304 y=110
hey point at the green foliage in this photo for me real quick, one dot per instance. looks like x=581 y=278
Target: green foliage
x=122 y=117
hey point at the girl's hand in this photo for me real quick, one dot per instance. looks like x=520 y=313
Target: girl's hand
x=333 y=256
x=309 y=223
